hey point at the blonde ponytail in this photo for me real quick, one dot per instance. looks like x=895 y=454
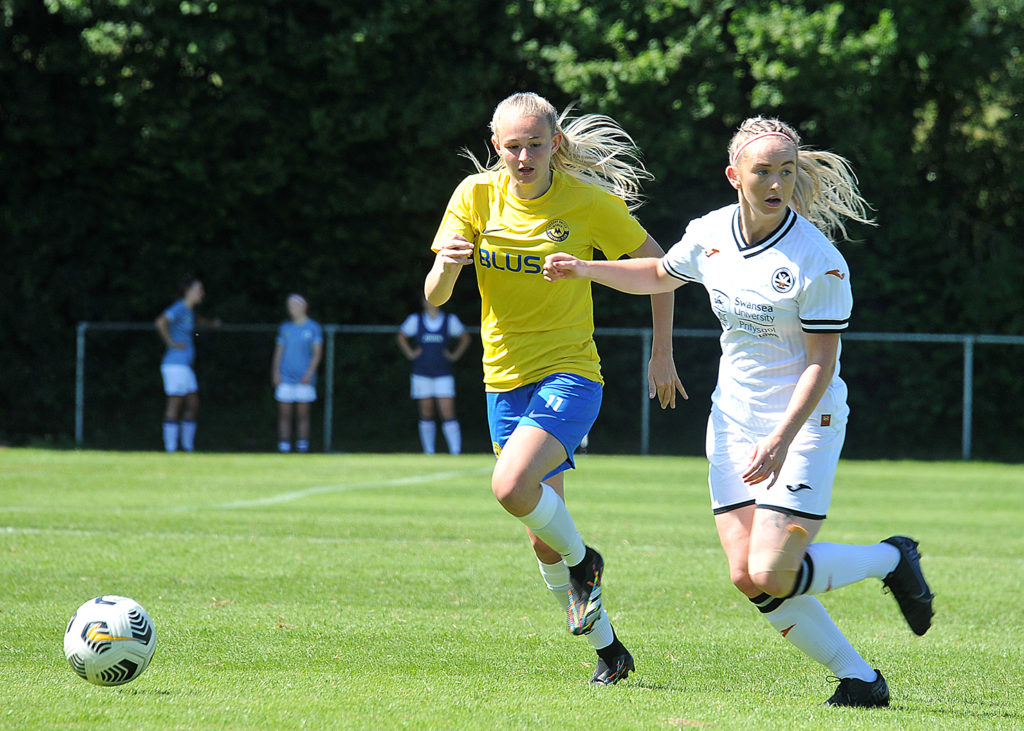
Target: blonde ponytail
x=826 y=189
x=594 y=149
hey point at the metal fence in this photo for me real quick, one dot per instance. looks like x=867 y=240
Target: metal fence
x=644 y=335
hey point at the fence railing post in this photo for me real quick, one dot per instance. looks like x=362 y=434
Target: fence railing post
x=80 y=383
x=645 y=401
x=968 y=418
x=331 y=331
x=329 y=389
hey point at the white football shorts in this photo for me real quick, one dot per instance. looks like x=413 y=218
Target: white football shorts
x=432 y=387
x=804 y=484
x=179 y=380
x=295 y=393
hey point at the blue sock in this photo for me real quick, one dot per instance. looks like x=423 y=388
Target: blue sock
x=171 y=436
x=188 y=435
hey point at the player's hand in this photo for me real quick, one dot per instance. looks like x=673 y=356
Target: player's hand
x=305 y=380
x=456 y=253
x=563 y=266
x=663 y=380
x=766 y=460
x=276 y=379
x=179 y=346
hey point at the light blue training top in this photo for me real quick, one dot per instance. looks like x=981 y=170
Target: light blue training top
x=182 y=325
x=298 y=341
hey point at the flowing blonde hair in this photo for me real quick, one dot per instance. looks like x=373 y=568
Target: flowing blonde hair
x=594 y=149
x=826 y=189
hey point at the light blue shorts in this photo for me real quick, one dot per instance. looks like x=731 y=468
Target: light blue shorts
x=563 y=404
x=179 y=379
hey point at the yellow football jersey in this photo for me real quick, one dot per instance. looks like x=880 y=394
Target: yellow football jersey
x=532 y=328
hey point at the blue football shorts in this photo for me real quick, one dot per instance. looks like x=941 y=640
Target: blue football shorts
x=563 y=404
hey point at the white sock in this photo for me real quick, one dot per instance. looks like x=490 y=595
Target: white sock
x=428 y=435
x=284 y=447
x=550 y=521
x=601 y=634
x=188 y=435
x=171 y=436
x=452 y=435
x=830 y=566
x=804 y=622
x=556 y=578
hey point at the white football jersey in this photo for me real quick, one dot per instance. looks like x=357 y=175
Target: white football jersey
x=767 y=296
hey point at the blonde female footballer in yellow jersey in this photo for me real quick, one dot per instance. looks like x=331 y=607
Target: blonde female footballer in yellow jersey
x=557 y=186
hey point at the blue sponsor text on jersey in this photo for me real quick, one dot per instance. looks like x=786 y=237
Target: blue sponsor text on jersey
x=506 y=261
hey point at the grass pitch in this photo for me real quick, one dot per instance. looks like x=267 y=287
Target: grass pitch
x=380 y=591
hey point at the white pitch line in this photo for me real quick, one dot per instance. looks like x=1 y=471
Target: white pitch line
x=285 y=497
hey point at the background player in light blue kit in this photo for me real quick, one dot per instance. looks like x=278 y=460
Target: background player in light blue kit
x=300 y=346
x=423 y=339
x=176 y=326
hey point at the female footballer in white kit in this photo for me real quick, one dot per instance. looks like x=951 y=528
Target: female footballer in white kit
x=782 y=293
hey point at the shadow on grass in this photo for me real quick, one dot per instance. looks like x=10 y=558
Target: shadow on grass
x=654 y=685
x=981 y=710
x=151 y=692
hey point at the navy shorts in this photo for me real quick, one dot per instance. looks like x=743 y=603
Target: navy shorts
x=563 y=404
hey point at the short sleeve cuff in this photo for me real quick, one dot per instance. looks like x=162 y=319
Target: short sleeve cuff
x=824 y=326
x=674 y=271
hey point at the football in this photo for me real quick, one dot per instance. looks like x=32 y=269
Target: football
x=109 y=640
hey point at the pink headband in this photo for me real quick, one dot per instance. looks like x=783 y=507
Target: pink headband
x=736 y=155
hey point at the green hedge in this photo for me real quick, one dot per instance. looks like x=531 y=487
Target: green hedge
x=312 y=144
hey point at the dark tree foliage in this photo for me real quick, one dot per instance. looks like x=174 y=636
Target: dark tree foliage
x=312 y=144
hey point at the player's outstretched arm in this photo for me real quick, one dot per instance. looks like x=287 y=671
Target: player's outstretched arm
x=633 y=276
x=208 y=323
x=456 y=253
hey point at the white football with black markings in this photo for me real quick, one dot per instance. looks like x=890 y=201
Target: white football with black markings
x=110 y=640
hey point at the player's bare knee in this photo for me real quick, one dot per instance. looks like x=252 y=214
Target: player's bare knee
x=505 y=485
x=515 y=489
x=742 y=581
x=774 y=583
x=773 y=569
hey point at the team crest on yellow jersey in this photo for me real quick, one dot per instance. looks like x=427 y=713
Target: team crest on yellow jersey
x=557 y=230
